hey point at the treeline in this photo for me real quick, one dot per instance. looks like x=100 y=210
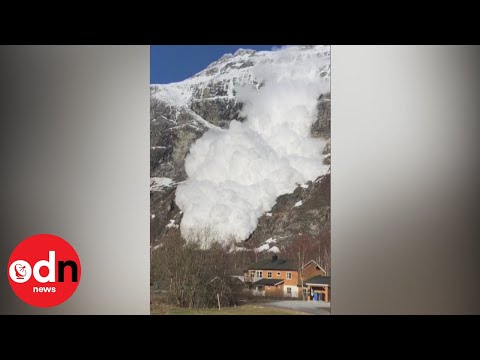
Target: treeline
x=201 y=273
x=197 y=274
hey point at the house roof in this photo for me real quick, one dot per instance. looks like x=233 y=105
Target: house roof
x=316 y=264
x=318 y=280
x=268 y=282
x=274 y=264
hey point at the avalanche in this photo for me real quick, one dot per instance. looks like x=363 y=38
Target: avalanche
x=235 y=175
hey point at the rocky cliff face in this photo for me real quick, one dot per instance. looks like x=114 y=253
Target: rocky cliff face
x=180 y=113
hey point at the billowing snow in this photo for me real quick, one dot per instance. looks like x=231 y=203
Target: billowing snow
x=158 y=183
x=268 y=214
x=299 y=203
x=236 y=175
x=274 y=249
x=305 y=186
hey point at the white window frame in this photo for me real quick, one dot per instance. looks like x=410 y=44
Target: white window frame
x=269 y=274
x=289 y=290
x=289 y=275
x=259 y=274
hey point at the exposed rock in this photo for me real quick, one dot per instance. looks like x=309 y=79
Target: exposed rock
x=321 y=127
x=172 y=131
x=218 y=111
x=164 y=209
x=287 y=220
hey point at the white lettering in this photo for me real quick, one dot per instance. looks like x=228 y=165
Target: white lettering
x=40 y=289
x=50 y=265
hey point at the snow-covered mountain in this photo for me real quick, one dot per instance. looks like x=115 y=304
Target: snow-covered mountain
x=182 y=112
x=218 y=80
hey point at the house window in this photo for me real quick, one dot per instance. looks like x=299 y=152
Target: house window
x=269 y=274
x=289 y=275
x=252 y=273
x=305 y=292
x=260 y=274
x=278 y=273
x=289 y=289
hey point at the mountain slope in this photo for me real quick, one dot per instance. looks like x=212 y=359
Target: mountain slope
x=182 y=112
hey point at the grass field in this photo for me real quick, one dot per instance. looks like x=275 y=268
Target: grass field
x=239 y=310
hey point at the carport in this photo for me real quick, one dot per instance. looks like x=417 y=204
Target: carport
x=318 y=288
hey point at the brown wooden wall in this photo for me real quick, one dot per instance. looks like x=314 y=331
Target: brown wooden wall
x=311 y=270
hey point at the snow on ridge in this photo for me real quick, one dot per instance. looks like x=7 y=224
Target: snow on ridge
x=274 y=249
x=172 y=224
x=172 y=95
x=298 y=203
x=159 y=183
x=261 y=248
x=236 y=69
x=268 y=246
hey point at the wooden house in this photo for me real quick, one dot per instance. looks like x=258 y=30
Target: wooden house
x=282 y=278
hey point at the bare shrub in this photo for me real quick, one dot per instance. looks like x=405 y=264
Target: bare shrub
x=196 y=273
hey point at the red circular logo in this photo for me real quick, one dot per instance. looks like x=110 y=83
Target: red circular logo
x=44 y=270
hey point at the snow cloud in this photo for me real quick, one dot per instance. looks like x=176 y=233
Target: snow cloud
x=235 y=175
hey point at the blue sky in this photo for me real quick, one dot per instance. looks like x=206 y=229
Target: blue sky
x=171 y=63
